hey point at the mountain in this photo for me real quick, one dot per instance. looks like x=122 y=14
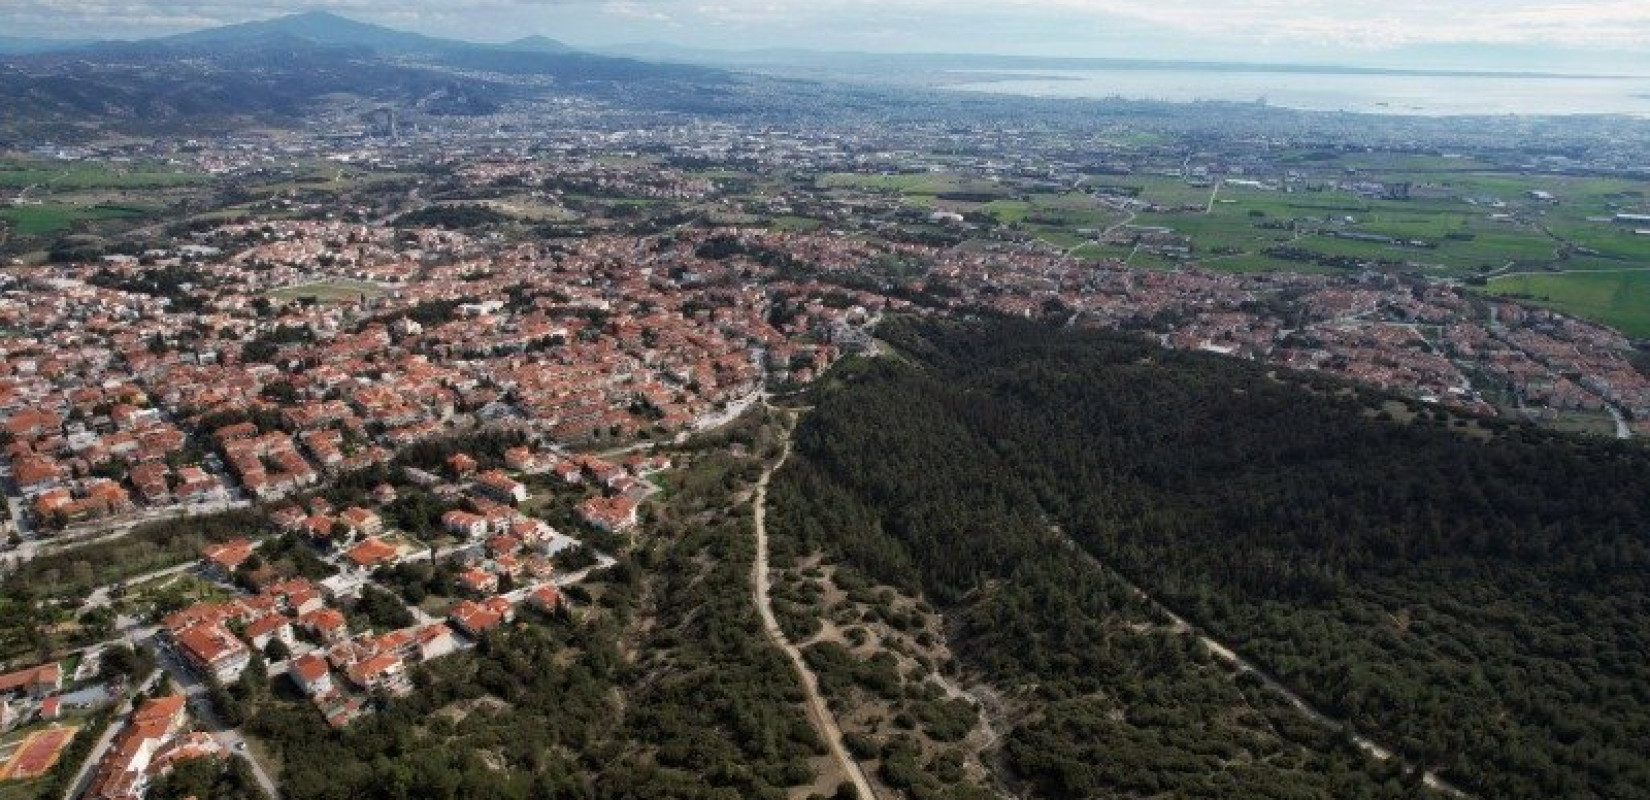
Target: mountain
x=14 y=45
x=279 y=70
x=315 y=27
x=537 y=44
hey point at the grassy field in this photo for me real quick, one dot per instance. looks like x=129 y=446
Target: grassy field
x=795 y=223
x=36 y=220
x=920 y=184
x=1618 y=299
x=337 y=290
x=1462 y=218
x=59 y=177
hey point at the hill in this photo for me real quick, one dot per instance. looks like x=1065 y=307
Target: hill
x=277 y=71
x=1469 y=593
x=14 y=45
x=316 y=27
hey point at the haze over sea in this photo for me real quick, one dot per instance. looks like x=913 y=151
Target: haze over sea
x=1420 y=94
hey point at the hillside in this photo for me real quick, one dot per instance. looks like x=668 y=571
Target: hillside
x=280 y=70
x=1468 y=593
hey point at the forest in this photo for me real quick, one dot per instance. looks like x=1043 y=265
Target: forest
x=1469 y=592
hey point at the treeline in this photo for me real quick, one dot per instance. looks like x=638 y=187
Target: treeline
x=1477 y=602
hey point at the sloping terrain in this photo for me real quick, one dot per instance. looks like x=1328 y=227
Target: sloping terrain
x=1467 y=593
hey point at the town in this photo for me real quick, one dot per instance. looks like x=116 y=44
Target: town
x=332 y=406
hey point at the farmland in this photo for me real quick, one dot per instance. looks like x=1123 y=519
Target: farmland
x=1552 y=239
x=78 y=176
x=45 y=219
x=1620 y=299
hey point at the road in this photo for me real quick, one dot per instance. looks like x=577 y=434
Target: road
x=818 y=713
x=74 y=537
x=1232 y=659
x=228 y=738
x=1623 y=431
x=77 y=786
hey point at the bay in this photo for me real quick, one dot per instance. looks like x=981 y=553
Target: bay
x=1418 y=94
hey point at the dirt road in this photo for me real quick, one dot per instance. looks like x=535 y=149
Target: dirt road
x=818 y=713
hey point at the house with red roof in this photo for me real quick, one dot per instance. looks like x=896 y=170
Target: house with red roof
x=461 y=466
x=385 y=671
x=372 y=553
x=35 y=682
x=544 y=597
x=312 y=675
x=478 y=581
x=327 y=624
x=223 y=559
x=475 y=618
x=362 y=521
x=211 y=648
x=463 y=523
x=609 y=513
x=501 y=487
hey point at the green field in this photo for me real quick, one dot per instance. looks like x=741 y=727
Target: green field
x=58 y=177
x=1618 y=299
x=1463 y=218
x=921 y=183
x=338 y=290
x=795 y=223
x=36 y=220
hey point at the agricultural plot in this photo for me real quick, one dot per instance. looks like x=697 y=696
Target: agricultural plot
x=53 y=176
x=929 y=184
x=1620 y=299
x=44 y=219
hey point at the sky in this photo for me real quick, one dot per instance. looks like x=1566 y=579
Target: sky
x=1323 y=31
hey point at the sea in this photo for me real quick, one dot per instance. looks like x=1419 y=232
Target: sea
x=1404 y=93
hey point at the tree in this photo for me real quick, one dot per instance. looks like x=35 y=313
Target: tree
x=254 y=680
x=120 y=661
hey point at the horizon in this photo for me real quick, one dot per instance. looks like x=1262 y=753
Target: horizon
x=1107 y=29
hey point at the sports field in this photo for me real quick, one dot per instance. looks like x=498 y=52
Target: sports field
x=37 y=753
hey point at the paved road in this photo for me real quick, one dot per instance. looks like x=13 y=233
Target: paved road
x=818 y=713
x=83 y=775
x=107 y=531
x=228 y=738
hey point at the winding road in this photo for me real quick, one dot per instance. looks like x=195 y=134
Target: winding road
x=818 y=713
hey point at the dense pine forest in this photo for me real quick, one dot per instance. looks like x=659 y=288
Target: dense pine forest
x=1470 y=592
